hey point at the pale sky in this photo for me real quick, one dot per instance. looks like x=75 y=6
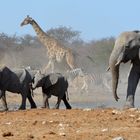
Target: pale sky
x=95 y=19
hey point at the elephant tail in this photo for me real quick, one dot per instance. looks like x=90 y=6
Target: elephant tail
x=32 y=93
x=67 y=95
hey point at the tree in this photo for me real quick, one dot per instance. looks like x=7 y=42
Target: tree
x=26 y=40
x=64 y=34
x=8 y=41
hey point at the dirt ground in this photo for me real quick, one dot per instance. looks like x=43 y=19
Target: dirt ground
x=94 y=116
x=75 y=124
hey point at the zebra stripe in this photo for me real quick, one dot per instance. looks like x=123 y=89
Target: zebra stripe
x=96 y=80
x=89 y=79
x=72 y=74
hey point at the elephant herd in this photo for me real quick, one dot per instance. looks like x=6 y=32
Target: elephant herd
x=23 y=81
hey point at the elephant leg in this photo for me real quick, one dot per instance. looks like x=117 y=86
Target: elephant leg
x=58 y=103
x=23 y=103
x=3 y=99
x=32 y=103
x=45 y=101
x=66 y=102
x=133 y=80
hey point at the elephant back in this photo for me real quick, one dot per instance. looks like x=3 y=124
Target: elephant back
x=8 y=79
x=63 y=82
x=51 y=79
x=21 y=74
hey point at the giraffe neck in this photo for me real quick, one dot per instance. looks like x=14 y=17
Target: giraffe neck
x=43 y=37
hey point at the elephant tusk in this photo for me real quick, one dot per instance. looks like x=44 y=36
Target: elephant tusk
x=107 y=69
x=118 y=63
x=120 y=58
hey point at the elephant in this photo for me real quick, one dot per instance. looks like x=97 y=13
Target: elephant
x=16 y=81
x=52 y=84
x=126 y=48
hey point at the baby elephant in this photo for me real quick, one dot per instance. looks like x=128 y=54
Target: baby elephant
x=52 y=84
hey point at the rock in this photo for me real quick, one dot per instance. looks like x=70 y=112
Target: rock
x=116 y=112
x=52 y=133
x=105 y=130
x=62 y=134
x=77 y=131
x=132 y=116
x=133 y=109
x=35 y=122
x=118 y=138
x=56 y=113
x=44 y=122
x=30 y=136
x=7 y=134
x=8 y=123
x=87 y=109
x=138 y=120
x=60 y=124
x=61 y=129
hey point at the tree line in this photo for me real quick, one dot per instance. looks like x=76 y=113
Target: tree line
x=94 y=52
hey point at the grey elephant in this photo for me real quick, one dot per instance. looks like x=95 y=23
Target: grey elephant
x=16 y=81
x=52 y=84
x=126 y=48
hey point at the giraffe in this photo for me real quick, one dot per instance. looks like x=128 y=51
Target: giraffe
x=55 y=50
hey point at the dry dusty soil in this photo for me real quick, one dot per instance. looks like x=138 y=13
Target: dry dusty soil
x=86 y=121
x=75 y=124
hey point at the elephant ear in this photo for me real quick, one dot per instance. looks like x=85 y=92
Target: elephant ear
x=23 y=75
x=51 y=79
x=133 y=42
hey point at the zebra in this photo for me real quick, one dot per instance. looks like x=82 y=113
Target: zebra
x=99 y=80
x=72 y=75
x=86 y=80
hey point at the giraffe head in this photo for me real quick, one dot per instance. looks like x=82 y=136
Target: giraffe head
x=27 y=20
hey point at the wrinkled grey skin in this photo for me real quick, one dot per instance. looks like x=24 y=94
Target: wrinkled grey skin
x=16 y=81
x=52 y=84
x=126 y=48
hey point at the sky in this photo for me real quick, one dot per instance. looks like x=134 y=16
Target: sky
x=95 y=19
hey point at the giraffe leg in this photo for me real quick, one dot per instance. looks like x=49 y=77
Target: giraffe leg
x=85 y=85
x=50 y=65
x=70 y=60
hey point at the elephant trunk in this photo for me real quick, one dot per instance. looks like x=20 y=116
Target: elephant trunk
x=114 y=63
x=115 y=77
